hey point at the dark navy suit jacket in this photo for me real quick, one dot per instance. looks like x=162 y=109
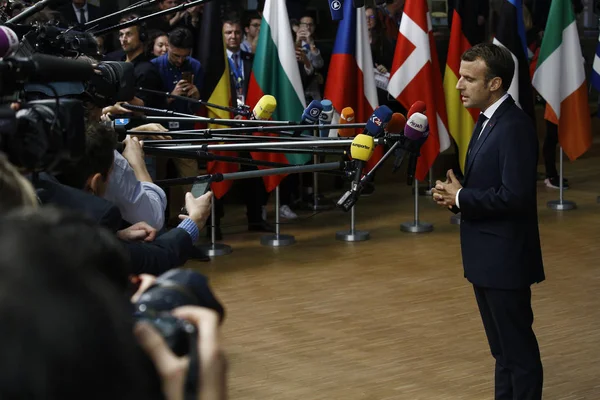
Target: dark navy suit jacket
x=499 y=233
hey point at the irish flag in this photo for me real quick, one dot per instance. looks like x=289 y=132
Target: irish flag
x=275 y=71
x=560 y=80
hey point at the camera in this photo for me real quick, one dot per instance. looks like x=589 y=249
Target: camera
x=176 y=288
x=46 y=130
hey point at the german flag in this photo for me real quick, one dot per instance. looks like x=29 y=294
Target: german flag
x=216 y=87
x=463 y=35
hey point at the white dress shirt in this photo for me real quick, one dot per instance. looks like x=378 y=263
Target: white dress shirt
x=137 y=201
x=489 y=112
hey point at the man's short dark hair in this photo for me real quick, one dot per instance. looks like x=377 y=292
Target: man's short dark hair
x=233 y=19
x=181 y=38
x=70 y=333
x=251 y=16
x=100 y=142
x=498 y=60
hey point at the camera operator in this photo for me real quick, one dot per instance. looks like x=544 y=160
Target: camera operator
x=146 y=76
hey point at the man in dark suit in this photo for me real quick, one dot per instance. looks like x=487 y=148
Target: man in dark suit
x=499 y=233
x=79 y=12
x=240 y=67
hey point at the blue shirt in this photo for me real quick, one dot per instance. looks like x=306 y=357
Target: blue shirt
x=170 y=75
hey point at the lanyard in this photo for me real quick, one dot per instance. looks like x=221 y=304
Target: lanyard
x=238 y=73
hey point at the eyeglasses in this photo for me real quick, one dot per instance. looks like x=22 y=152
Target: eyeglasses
x=370 y=17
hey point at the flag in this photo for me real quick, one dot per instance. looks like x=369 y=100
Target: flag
x=560 y=79
x=351 y=77
x=416 y=75
x=463 y=34
x=216 y=87
x=596 y=67
x=510 y=34
x=275 y=71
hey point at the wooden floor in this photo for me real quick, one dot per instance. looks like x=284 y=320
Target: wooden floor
x=393 y=317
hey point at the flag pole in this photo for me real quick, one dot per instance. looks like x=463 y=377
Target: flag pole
x=561 y=204
x=416 y=226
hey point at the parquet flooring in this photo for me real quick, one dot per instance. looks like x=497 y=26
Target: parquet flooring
x=393 y=317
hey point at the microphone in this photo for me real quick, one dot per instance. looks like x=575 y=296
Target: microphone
x=311 y=114
x=265 y=108
x=9 y=41
x=361 y=149
x=377 y=123
x=417 y=131
x=347 y=117
x=396 y=124
x=326 y=117
x=418 y=106
x=335 y=7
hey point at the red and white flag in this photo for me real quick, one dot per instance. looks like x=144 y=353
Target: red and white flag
x=416 y=75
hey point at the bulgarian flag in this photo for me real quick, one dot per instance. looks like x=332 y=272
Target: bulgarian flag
x=275 y=71
x=560 y=79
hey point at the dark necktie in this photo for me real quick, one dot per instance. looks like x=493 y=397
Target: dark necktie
x=477 y=131
x=236 y=61
x=82 y=16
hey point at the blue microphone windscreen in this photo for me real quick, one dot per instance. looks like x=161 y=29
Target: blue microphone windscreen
x=327 y=105
x=378 y=121
x=312 y=112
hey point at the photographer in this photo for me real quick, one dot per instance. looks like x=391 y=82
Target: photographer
x=64 y=351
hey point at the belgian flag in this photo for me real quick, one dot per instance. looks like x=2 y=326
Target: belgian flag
x=464 y=34
x=216 y=86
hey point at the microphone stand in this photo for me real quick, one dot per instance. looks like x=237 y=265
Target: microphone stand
x=139 y=20
x=173 y=151
x=28 y=12
x=245 y=112
x=141 y=4
x=177 y=117
x=251 y=174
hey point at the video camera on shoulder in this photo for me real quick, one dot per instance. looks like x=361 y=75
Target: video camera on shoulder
x=45 y=93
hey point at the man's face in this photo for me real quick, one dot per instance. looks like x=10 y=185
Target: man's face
x=253 y=30
x=130 y=39
x=308 y=23
x=233 y=36
x=178 y=56
x=78 y=3
x=475 y=92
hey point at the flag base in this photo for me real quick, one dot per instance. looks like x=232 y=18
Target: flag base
x=216 y=249
x=416 y=227
x=561 y=205
x=352 y=236
x=277 y=240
